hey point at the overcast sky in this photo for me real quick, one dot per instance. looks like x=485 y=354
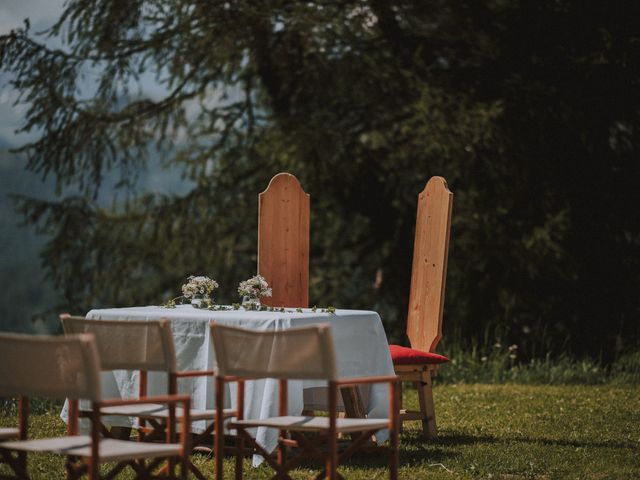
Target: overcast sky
x=41 y=14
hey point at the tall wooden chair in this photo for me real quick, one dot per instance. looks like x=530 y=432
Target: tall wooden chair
x=426 y=301
x=69 y=367
x=297 y=353
x=143 y=346
x=283 y=254
x=283 y=241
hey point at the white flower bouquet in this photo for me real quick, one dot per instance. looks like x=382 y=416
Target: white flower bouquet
x=198 y=286
x=255 y=288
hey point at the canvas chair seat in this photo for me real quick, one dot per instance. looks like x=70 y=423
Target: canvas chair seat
x=9 y=433
x=110 y=450
x=410 y=356
x=314 y=424
x=161 y=412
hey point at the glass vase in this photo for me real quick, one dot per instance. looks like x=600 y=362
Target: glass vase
x=200 y=301
x=251 y=303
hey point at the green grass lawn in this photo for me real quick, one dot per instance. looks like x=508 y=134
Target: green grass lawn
x=486 y=431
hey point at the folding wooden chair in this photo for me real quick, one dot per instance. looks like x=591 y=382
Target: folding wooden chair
x=297 y=353
x=426 y=301
x=283 y=241
x=68 y=367
x=144 y=346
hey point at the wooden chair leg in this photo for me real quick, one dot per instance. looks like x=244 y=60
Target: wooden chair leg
x=239 y=457
x=69 y=468
x=332 y=458
x=94 y=464
x=395 y=394
x=94 y=473
x=121 y=433
x=353 y=404
x=400 y=406
x=332 y=444
x=185 y=467
x=218 y=439
x=22 y=461
x=425 y=396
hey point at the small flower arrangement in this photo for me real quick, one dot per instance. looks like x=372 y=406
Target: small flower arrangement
x=255 y=287
x=199 y=290
x=198 y=285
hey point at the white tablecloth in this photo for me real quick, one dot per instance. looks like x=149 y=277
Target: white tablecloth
x=360 y=344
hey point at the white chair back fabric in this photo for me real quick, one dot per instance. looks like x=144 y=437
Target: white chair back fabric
x=128 y=345
x=298 y=353
x=52 y=367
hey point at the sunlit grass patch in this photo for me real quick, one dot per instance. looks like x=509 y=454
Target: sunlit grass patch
x=486 y=431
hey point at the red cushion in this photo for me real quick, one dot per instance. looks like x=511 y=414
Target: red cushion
x=409 y=356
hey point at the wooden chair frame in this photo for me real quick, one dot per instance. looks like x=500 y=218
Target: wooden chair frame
x=426 y=299
x=83 y=457
x=284 y=214
x=294 y=436
x=156 y=429
x=76 y=468
x=18 y=463
x=310 y=446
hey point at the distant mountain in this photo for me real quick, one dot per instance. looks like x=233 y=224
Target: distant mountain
x=24 y=292
x=25 y=295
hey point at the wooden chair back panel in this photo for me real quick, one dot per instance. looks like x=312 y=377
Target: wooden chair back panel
x=283 y=241
x=429 y=269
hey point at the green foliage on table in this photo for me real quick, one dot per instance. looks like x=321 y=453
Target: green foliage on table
x=208 y=304
x=530 y=110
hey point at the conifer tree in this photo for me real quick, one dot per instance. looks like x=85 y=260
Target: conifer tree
x=529 y=109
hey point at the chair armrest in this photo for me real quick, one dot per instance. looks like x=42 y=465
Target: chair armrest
x=195 y=373
x=171 y=399
x=232 y=378
x=204 y=373
x=352 y=382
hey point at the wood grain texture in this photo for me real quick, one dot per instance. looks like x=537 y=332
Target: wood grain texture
x=283 y=241
x=352 y=400
x=429 y=269
x=426 y=299
x=427 y=409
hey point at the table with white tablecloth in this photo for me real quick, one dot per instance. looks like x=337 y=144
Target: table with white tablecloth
x=360 y=345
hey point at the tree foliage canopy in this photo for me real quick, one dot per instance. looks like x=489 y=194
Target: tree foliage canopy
x=529 y=109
